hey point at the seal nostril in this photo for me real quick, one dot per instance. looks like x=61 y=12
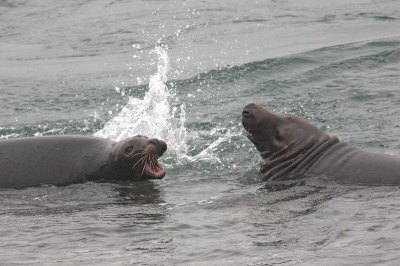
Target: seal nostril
x=160 y=145
x=246 y=113
x=155 y=142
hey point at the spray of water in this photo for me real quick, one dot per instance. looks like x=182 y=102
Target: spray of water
x=153 y=115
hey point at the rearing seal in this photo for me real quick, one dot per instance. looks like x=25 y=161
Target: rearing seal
x=64 y=160
x=293 y=148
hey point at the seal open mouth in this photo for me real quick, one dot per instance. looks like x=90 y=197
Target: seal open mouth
x=152 y=168
x=138 y=158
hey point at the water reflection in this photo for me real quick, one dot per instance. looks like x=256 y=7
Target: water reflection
x=138 y=193
x=88 y=197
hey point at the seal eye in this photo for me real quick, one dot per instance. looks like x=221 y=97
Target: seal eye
x=278 y=136
x=129 y=149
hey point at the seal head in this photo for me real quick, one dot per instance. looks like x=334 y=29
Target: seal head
x=283 y=142
x=293 y=148
x=137 y=158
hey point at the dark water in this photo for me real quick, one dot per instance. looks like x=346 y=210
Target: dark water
x=182 y=71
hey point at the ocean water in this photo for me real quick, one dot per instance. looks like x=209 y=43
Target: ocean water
x=182 y=71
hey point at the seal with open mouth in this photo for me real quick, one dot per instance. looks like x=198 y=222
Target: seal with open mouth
x=293 y=148
x=69 y=159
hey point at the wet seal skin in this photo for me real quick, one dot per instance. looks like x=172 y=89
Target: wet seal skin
x=68 y=159
x=293 y=148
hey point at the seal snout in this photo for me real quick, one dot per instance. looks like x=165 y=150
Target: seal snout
x=248 y=110
x=248 y=117
x=246 y=114
x=160 y=145
x=156 y=142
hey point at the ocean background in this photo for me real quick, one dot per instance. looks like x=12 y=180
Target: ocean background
x=182 y=71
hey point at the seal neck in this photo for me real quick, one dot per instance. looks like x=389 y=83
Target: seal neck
x=294 y=163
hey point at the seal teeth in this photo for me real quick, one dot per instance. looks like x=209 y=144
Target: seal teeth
x=153 y=168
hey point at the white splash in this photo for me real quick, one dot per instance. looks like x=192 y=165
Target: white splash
x=155 y=116
x=152 y=116
x=208 y=153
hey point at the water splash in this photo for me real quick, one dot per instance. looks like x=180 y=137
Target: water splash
x=156 y=116
x=152 y=116
x=207 y=154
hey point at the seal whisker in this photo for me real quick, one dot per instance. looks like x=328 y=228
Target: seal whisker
x=156 y=162
x=140 y=160
x=156 y=168
x=152 y=163
x=144 y=165
x=153 y=166
x=151 y=160
x=157 y=165
x=137 y=154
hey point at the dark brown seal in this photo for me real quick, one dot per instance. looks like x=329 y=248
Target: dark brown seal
x=64 y=160
x=293 y=148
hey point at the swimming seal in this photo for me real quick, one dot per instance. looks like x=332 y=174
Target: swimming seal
x=64 y=160
x=293 y=148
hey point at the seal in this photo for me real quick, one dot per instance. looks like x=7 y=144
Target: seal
x=293 y=148
x=69 y=159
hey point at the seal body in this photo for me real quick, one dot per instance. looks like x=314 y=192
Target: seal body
x=64 y=160
x=293 y=148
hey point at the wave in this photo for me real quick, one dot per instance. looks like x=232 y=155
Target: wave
x=282 y=67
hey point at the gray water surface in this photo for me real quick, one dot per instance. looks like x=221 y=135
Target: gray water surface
x=78 y=67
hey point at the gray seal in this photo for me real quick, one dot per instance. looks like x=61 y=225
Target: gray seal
x=68 y=159
x=293 y=148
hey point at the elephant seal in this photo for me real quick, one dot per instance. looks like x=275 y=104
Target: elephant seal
x=293 y=148
x=63 y=160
